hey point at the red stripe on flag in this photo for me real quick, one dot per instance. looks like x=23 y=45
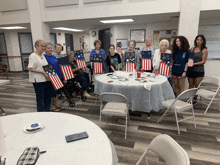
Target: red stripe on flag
x=51 y=80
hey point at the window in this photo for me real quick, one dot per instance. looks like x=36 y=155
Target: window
x=53 y=39
x=3 y=50
x=26 y=44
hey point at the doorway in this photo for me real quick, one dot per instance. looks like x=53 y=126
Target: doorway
x=104 y=37
x=69 y=42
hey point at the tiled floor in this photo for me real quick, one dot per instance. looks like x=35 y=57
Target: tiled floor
x=202 y=143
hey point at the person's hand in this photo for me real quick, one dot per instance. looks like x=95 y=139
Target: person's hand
x=45 y=74
x=184 y=74
x=77 y=69
x=103 y=58
x=92 y=58
x=140 y=57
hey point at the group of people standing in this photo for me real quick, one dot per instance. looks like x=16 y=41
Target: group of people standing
x=181 y=52
x=46 y=95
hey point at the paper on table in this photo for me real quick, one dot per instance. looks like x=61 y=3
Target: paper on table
x=2 y=140
x=147 y=86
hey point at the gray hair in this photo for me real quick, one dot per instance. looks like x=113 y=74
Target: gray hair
x=133 y=42
x=164 y=40
x=70 y=53
x=48 y=43
x=37 y=42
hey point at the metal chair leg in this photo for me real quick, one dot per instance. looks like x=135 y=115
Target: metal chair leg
x=177 y=122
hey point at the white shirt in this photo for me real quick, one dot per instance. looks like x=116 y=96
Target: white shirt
x=156 y=59
x=37 y=62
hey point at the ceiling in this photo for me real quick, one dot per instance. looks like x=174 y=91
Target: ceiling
x=91 y=24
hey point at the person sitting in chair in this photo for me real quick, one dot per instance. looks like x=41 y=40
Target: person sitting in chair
x=81 y=76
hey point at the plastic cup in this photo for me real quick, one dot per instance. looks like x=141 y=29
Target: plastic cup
x=142 y=70
x=156 y=72
x=138 y=74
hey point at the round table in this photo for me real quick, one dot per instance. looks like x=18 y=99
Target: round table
x=142 y=97
x=95 y=150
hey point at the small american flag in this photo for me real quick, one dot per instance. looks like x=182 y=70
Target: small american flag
x=129 y=62
x=146 y=62
x=54 y=78
x=165 y=64
x=97 y=63
x=66 y=68
x=80 y=60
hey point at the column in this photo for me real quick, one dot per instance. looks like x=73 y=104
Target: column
x=13 y=50
x=189 y=22
x=189 y=19
x=39 y=29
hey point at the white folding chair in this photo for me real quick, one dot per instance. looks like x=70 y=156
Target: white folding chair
x=178 y=105
x=114 y=104
x=210 y=92
x=168 y=149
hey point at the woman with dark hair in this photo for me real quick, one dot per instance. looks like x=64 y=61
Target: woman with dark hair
x=181 y=54
x=113 y=60
x=196 y=72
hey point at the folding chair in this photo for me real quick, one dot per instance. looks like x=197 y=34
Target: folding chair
x=168 y=149
x=208 y=92
x=114 y=104
x=177 y=105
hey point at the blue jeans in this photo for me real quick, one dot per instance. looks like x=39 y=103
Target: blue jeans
x=43 y=92
x=84 y=81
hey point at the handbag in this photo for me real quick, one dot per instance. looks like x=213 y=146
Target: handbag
x=29 y=156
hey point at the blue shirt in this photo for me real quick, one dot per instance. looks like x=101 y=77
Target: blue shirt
x=56 y=55
x=102 y=52
x=53 y=61
x=179 y=62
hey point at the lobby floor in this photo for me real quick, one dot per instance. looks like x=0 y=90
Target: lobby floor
x=202 y=143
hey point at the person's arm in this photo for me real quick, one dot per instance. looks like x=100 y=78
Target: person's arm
x=204 y=58
x=76 y=69
x=185 y=70
x=112 y=68
x=103 y=55
x=91 y=56
x=38 y=71
x=138 y=61
x=186 y=65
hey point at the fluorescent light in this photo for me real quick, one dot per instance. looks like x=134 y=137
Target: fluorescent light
x=13 y=27
x=117 y=21
x=68 y=29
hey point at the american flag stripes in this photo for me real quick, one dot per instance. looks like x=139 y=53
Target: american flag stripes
x=97 y=67
x=165 y=64
x=164 y=68
x=80 y=60
x=146 y=62
x=54 y=78
x=129 y=67
x=66 y=68
x=66 y=71
x=97 y=63
x=129 y=62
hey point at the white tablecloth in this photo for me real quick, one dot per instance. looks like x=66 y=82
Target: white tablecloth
x=140 y=98
x=95 y=150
